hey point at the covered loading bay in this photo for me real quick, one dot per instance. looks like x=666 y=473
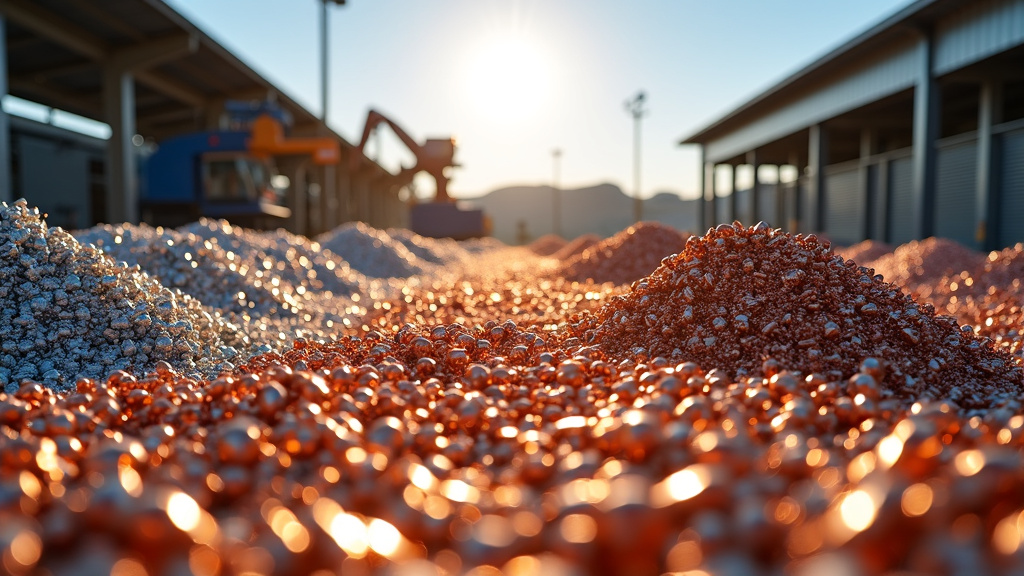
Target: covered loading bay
x=148 y=73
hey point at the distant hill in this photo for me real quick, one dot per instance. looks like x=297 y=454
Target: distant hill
x=602 y=209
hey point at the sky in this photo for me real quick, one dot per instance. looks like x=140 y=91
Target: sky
x=514 y=80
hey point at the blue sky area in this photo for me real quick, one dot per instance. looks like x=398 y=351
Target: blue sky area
x=514 y=79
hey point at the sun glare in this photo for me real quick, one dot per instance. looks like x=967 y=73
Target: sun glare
x=507 y=78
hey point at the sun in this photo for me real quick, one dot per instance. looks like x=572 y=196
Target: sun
x=507 y=79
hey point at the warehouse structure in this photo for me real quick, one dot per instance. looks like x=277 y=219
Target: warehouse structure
x=914 y=128
x=149 y=74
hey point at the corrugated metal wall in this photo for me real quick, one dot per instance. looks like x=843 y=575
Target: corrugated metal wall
x=955 y=185
x=886 y=72
x=844 y=206
x=722 y=210
x=901 y=202
x=745 y=207
x=1011 y=189
x=767 y=209
x=980 y=29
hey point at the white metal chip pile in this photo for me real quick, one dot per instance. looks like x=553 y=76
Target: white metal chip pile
x=443 y=251
x=68 y=310
x=371 y=251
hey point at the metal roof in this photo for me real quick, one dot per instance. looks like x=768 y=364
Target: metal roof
x=920 y=15
x=57 y=51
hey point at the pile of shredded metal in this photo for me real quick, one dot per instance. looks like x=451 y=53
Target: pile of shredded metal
x=485 y=418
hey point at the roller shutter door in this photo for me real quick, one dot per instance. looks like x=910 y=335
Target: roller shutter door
x=955 y=193
x=844 y=207
x=1011 y=189
x=901 y=202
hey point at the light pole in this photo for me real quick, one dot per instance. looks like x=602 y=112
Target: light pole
x=323 y=56
x=329 y=197
x=636 y=108
x=556 y=192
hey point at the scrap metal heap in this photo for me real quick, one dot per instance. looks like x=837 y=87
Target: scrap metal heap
x=755 y=405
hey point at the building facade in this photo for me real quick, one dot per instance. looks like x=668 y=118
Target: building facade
x=913 y=129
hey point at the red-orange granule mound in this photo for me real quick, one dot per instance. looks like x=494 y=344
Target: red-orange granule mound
x=627 y=256
x=738 y=297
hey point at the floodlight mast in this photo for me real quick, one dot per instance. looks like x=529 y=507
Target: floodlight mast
x=636 y=108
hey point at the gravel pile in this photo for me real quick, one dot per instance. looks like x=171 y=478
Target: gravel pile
x=627 y=256
x=71 y=311
x=742 y=298
x=371 y=252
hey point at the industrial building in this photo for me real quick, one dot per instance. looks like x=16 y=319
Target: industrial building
x=149 y=74
x=914 y=128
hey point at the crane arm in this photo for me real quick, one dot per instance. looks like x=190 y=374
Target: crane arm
x=374 y=119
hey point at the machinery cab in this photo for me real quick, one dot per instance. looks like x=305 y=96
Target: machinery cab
x=229 y=173
x=235 y=182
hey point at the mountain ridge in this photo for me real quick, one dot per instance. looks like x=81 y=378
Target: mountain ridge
x=601 y=209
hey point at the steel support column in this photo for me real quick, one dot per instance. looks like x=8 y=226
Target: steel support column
x=709 y=195
x=329 y=196
x=926 y=131
x=733 y=204
x=817 y=159
x=986 y=237
x=793 y=208
x=755 y=188
x=867 y=187
x=702 y=205
x=6 y=180
x=119 y=112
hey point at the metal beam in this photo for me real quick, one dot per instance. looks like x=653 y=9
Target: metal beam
x=172 y=88
x=137 y=57
x=6 y=181
x=90 y=7
x=167 y=115
x=45 y=23
x=44 y=74
x=87 y=105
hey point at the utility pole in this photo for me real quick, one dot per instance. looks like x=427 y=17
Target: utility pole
x=636 y=108
x=556 y=192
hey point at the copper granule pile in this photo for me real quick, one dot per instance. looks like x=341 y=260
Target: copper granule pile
x=924 y=262
x=547 y=244
x=739 y=297
x=864 y=252
x=629 y=255
x=482 y=420
x=576 y=246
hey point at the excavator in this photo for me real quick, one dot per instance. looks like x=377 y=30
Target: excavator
x=440 y=218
